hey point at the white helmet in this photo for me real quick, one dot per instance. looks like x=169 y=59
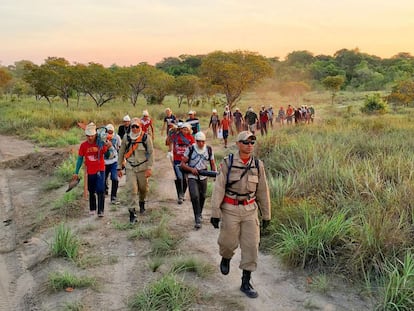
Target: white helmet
x=200 y=136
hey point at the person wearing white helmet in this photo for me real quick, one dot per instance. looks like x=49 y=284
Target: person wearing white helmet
x=124 y=128
x=194 y=122
x=111 y=163
x=214 y=123
x=197 y=158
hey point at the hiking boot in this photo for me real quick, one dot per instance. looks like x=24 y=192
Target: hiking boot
x=197 y=226
x=101 y=214
x=141 y=207
x=246 y=287
x=132 y=215
x=225 y=265
x=180 y=201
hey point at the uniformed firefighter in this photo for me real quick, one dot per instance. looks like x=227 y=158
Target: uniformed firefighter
x=137 y=150
x=236 y=198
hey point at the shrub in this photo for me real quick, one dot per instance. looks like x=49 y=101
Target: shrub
x=373 y=103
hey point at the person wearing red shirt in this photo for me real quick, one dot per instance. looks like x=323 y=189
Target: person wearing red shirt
x=177 y=142
x=146 y=123
x=225 y=126
x=93 y=153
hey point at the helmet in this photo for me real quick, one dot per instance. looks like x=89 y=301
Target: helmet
x=200 y=136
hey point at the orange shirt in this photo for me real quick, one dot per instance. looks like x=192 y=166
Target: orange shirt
x=225 y=124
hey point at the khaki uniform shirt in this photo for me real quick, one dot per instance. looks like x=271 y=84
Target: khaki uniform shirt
x=252 y=185
x=139 y=155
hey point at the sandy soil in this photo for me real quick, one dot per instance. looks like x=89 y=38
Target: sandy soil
x=121 y=265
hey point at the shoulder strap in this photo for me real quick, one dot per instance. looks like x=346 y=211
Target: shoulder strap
x=229 y=166
x=210 y=152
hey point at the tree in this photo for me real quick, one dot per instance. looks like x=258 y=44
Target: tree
x=159 y=86
x=40 y=80
x=402 y=93
x=134 y=80
x=98 y=82
x=333 y=84
x=186 y=86
x=5 y=77
x=234 y=72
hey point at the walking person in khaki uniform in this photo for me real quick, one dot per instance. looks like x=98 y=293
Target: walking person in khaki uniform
x=137 y=150
x=236 y=198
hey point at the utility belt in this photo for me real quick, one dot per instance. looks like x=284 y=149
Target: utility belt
x=238 y=202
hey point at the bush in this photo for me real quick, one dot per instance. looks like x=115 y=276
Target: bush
x=373 y=103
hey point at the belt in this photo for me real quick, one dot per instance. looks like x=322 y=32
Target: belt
x=238 y=202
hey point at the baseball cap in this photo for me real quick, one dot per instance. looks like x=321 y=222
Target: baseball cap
x=244 y=135
x=110 y=127
x=200 y=136
x=126 y=118
x=145 y=113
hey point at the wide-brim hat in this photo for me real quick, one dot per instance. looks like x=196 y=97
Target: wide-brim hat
x=90 y=129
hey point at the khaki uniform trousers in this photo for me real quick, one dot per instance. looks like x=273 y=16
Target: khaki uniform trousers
x=137 y=184
x=240 y=226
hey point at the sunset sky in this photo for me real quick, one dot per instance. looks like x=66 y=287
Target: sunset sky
x=127 y=32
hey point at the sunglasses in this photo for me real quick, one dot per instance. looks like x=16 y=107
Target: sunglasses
x=246 y=142
x=135 y=126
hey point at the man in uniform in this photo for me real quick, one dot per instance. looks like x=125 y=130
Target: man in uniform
x=137 y=150
x=239 y=191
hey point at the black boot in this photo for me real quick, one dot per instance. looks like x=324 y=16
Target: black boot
x=179 y=188
x=141 y=207
x=246 y=287
x=101 y=204
x=225 y=265
x=132 y=215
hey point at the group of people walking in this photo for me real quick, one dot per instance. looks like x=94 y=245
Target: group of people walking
x=240 y=187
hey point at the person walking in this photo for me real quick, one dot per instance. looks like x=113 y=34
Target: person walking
x=196 y=160
x=239 y=191
x=138 y=152
x=225 y=127
x=124 y=128
x=177 y=142
x=146 y=124
x=93 y=152
x=264 y=119
x=251 y=120
x=238 y=120
x=169 y=121
x=194 y=122
x=111 y=163
x=214 y=123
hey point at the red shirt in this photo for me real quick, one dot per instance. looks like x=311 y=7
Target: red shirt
x=225 y=123
x=146 y=124
x=90 y=152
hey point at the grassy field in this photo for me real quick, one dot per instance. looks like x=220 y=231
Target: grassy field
x=341 y=188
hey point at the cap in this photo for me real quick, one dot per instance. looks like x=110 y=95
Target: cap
x=180 y=125
x=127 y=118
x=145 y=113
x=214 y=110
x=244 y=135
x=110 y=127
x=167 y=109
x=90 y=129
x=237 y=109
x=191 y=112
x=200 y=136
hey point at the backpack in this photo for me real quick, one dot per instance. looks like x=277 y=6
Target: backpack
x=209 y=150
x=230 y=165
x=144 y=143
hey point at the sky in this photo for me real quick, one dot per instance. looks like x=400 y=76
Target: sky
x=128 y=32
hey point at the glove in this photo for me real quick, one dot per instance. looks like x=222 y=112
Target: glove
x=265 y=224
x=215 y=222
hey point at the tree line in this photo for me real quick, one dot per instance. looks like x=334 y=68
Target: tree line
x=197 y=78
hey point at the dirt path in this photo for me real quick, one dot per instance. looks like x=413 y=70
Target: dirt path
x=121 y=264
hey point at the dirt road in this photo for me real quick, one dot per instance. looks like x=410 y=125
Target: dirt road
x=120 y=264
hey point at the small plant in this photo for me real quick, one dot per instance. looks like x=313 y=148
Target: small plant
x=202 y=269
x=58 y=281
x=320 y=283
x=74 y=306
x=168 y=293
x=65 y=244
x=155 y=263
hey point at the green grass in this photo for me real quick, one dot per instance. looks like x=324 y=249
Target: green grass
x=168 y=293
x=65 y=243
x=62 y=280
x=192 y=264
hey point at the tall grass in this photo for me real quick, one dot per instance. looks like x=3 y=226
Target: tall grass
x=65 y=243
x=168 y=293
x=62 y=280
